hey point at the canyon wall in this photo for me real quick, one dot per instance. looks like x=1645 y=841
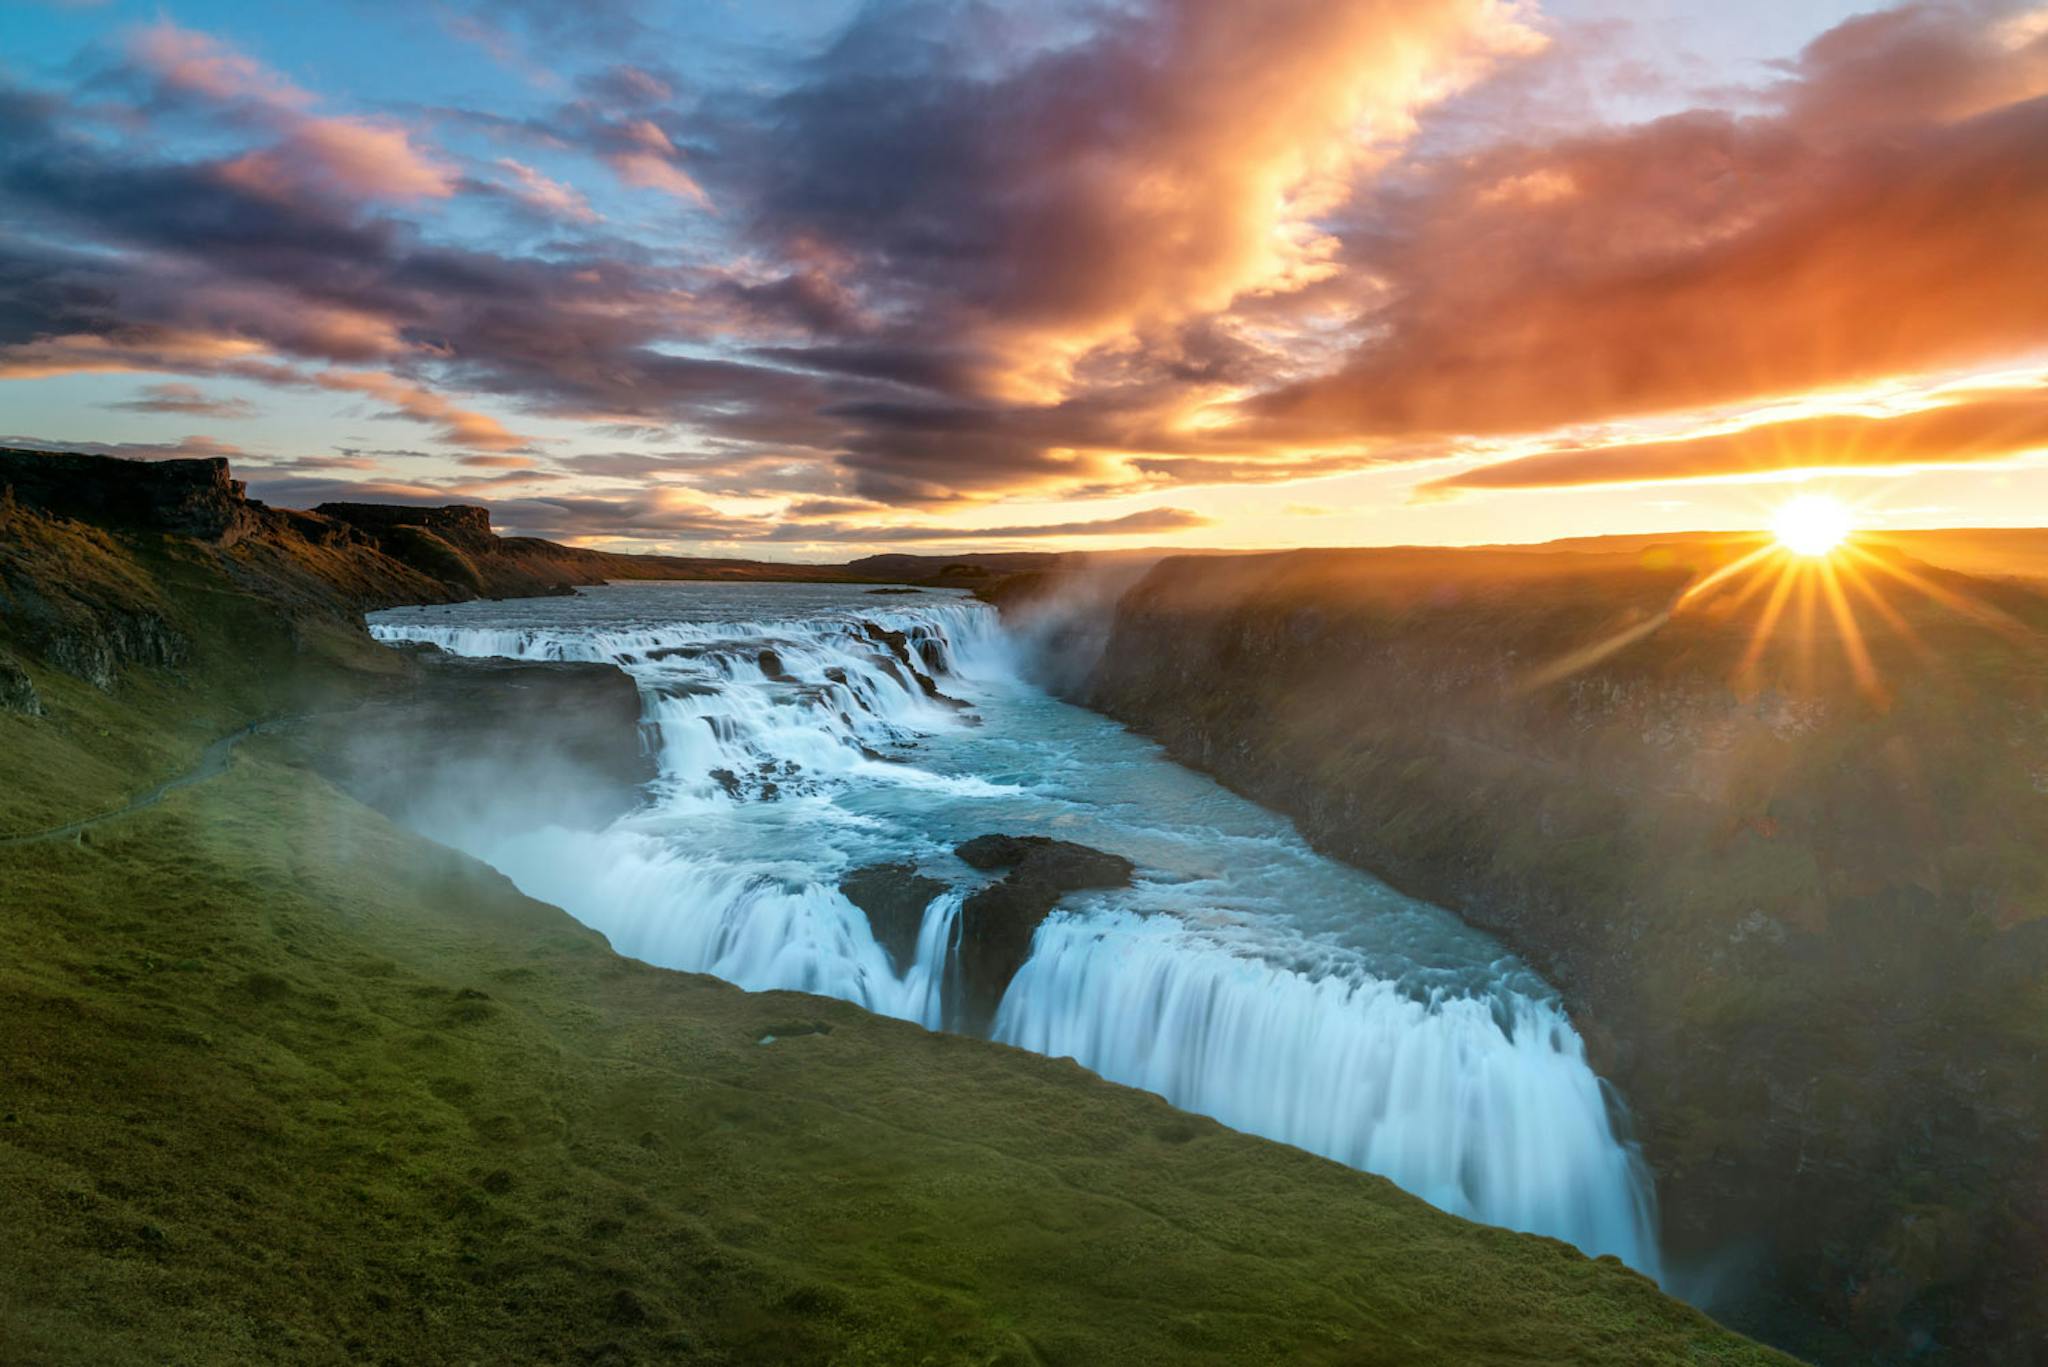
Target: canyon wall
x=1792 y=878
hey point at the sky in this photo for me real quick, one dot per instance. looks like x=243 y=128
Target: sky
x=806 y=279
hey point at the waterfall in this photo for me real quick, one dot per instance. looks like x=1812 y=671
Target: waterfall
x=1282 y=995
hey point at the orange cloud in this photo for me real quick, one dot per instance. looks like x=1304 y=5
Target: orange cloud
x=1977 y=427
x=1888 y=222
x=459 y=426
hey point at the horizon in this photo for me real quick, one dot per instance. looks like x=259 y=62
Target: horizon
x=822 y=280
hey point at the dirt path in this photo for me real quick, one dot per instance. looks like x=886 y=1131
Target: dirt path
x=213 y=761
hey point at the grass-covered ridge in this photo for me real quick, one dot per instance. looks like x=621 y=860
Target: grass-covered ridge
x=280 y=1081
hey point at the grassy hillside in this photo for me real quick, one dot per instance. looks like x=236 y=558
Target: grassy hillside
x=281 y=1082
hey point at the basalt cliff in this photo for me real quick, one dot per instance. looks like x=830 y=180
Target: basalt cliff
x=1788 y=863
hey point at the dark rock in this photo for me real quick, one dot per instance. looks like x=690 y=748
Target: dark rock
x=193 y=498
x=458 y=524
x=728 y=780
x=771 y=665
x=17 y=691
x=1043 y=859
x=998 y=921
x=894 y=897
x=896 y=641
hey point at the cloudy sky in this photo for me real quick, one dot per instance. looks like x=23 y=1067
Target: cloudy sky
x=803 y=278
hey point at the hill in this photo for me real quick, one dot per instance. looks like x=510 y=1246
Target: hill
x=283 y=1082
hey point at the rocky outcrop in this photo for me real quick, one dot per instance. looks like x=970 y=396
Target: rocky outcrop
x=457 y=524
x=894 y=898
x=1794 y=902
x=17 y=691
x=194 y=498
x=515 y=743
x=997 y=921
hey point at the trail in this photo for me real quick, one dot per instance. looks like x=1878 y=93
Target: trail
x=213 y=762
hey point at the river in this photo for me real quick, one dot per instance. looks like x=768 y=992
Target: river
x=1243 y=976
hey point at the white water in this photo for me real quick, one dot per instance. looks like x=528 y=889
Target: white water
x=1243 y=976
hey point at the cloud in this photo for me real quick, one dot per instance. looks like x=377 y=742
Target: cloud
x=184 y=62
x=185 y=448
x=1706 y=259
x=187 y=399
x=1131 y=524
x=967 y=252
x=457 y=426
x=1968 y=428
x=356 y=158
x=548 y=198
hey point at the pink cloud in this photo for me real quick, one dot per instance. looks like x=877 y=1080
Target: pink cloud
x=546 y=196
x=459 y=426
x=360 y=157
x=194 y=63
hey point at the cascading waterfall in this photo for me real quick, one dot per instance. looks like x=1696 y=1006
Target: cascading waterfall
x=802 y=730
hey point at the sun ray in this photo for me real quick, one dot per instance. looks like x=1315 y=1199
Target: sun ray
x=1856 y=578
x=1587 y=656
x=1727 y=572
x=1768 y=622
x=2002 y=622
x=1851 y=633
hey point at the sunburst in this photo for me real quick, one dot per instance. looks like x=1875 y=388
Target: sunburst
x=1807 y=568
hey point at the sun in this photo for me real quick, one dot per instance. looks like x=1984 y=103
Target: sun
x=1812 y=524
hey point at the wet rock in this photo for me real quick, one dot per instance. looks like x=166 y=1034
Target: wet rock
x=771 y=666
x=896 y=641
x=894 y=898
x=998 y=921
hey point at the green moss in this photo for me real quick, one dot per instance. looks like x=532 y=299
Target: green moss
x=282 y=1082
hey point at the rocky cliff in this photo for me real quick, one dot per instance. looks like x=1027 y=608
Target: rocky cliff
x=1792 y=876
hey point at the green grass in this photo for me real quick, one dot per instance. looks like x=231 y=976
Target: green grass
x=281 y=1082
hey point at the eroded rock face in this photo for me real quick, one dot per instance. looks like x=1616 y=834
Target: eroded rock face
x=17 y=691
x=459 y=524
x=894 y=897
x=193 y=498
x=998 y=921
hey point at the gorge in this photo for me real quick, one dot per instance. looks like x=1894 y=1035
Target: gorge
x=1243 y=976
x=254 y=1026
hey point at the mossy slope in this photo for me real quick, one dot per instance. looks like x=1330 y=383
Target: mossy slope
x=280 y=1081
